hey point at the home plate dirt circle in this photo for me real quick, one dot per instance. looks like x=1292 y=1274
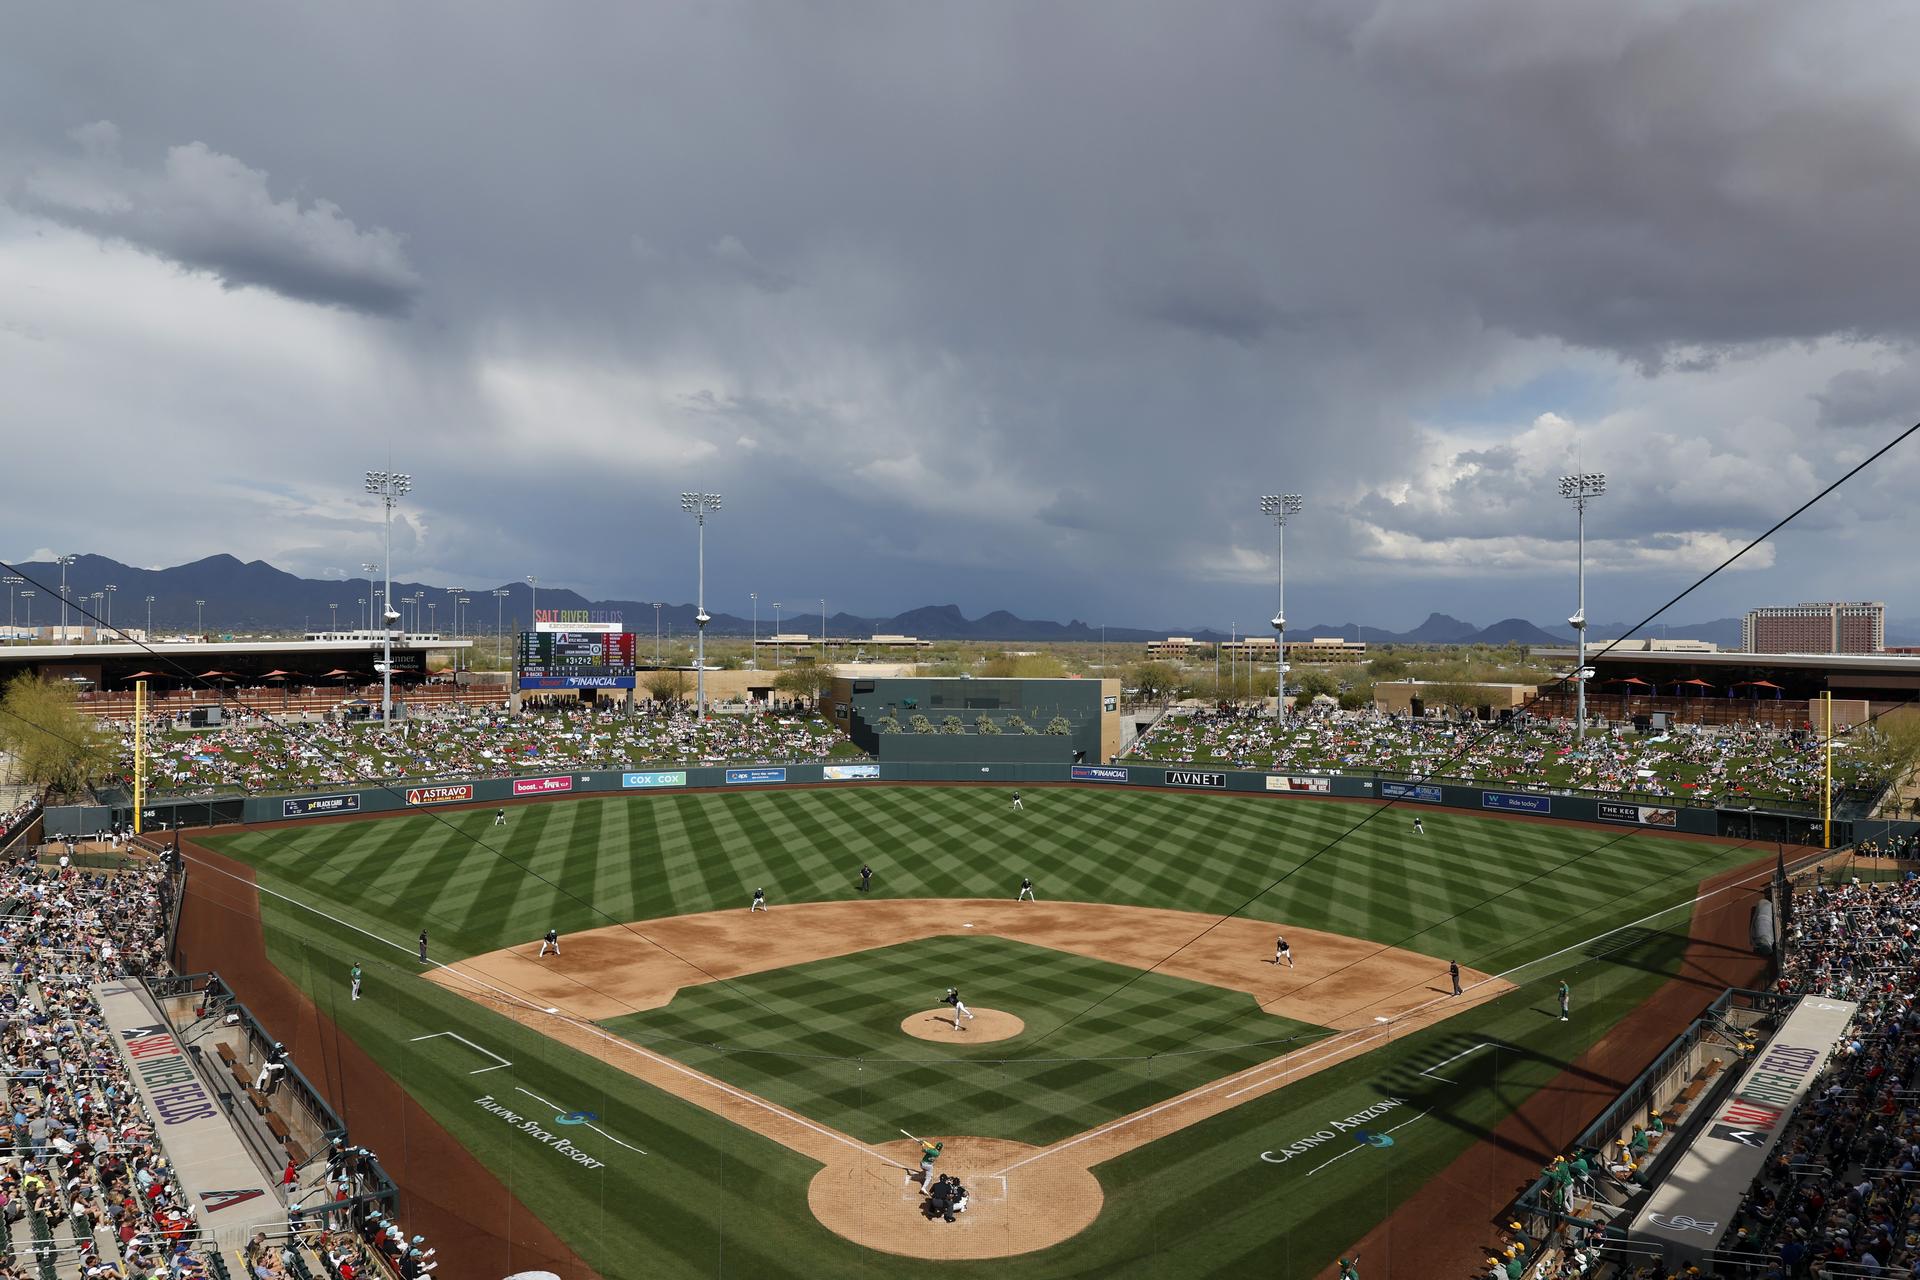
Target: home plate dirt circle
x=1010 y=1210
x=937 y=1024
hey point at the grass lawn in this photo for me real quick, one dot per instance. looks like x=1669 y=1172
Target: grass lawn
x=852 y=1067
x=715 y=1199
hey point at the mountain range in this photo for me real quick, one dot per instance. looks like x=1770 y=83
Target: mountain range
x=253 y=596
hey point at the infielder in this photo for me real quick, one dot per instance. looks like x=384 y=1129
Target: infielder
x=1453 y=972
x=1026 y=890
x=551 y=941
x=354 y=975
x=423 y=946
x=866 y=878
x=759 y=900
x=1282 y=953
x=960 y=1009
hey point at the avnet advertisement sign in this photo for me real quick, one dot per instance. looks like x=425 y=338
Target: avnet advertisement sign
x=313 y=806
x=1196 y=778
x=1096 y=773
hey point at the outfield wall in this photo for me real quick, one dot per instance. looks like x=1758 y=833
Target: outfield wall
x=1414 y=797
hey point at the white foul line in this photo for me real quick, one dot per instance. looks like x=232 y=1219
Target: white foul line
x=1484 y=1044
x=471 y=1045
x=1344 y=1154
x=596 y=1128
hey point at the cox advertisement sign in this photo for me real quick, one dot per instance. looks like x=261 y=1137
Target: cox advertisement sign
x=756 y=775
x=1516 y=804
x=1411 y=791
x=308 y=806
x=849 y=772
x=440 y=795
x=1638 y=814
x=1280 y=782
x=675 y=779
x=1096 y=773
x=1194 y=778
x=542 y=786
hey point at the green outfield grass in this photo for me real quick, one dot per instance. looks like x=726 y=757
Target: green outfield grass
x=824 y=1038
x=711 y=1198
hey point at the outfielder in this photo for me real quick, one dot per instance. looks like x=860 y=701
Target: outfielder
x=1419 y=828
x=354 y=974
x=960 y=1009
x=550 y=942
x=499 y=817
x=1016 y=801
x=1566 y=1000
x=759 y=900
x=1026 y=890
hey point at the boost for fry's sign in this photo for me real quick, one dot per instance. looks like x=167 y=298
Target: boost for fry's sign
x=542 y=786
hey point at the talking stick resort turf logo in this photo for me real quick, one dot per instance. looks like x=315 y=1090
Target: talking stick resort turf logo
x=533 y=1129
x=1353 y=1125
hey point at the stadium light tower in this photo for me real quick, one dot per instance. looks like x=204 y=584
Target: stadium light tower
x=753 y=659
x=389 y=487
x=533 y=609
x=12 y=581
x=149 y=618
x=823 y=628
x=656 y=632
x=199 y=615
x=63 y=562
x=700 y=504
x=108 y=591
x=333 y=616
x=372 y=571
x=1581 y=488
x=776 y=633
x=28 y=597
x=1280 y=506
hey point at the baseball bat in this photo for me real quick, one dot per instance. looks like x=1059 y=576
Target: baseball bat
x=910 y=1135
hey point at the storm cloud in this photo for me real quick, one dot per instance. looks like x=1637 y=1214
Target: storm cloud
x=1020 y=307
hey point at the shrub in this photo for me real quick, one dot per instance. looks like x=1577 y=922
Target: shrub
x=1060 y=727
x=953 y=724
x=986 y=724
x=921 y=724
x=886 y=724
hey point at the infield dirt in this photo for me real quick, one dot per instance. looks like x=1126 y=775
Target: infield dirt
x=1366 y=993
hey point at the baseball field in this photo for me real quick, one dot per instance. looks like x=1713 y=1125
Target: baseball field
x=691 y=1088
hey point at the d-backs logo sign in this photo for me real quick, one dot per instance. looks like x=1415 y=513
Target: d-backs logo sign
x=440 y=795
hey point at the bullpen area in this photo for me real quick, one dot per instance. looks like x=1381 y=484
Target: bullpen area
x=693 y=1087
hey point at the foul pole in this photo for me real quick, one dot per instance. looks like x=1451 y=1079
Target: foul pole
x=139 y=751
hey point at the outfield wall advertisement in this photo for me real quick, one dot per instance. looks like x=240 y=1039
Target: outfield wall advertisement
x=1644 y=815
x=756 y=775
x=440 y=795
x=1412 y=791
x=542 y=786
x=1315 y=786
x=312 y=806
x=1096 y=773
x=849 y=772
x=1196 y=778
x=675 y=778
x=1516 y=803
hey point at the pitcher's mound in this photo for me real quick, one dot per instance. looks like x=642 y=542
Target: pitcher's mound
x=985 y=1025
x=1018 y=1204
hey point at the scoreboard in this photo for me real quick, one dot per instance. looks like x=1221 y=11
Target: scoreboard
x=576 y=660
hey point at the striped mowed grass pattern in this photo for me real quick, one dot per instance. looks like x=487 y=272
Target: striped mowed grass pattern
x=1486 y=891
x=824 y=1038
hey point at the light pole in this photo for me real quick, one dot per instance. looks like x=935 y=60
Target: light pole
x=390 y=487
x=28 y=597
x=1280 y=506
x=656 y=632
x=199 y=614
x=149 y=619
x=533 y=609
x=360 y=611
x=333 y=618
x=700 y=504
x=109 y=589
x=460 y=604
x=12 y=581
x=499 y=635
x=98 y=598
x=63 y=562
x=753 y=659
x=823 y=628
x=1581 y=488
x=776 y=632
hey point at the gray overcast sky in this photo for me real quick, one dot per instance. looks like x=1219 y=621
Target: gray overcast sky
x=1003 y=305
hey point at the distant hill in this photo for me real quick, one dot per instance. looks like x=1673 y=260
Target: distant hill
x=252 y=596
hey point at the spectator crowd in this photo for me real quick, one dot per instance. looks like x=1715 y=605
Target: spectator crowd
x=263 y=754
x=1689 y=763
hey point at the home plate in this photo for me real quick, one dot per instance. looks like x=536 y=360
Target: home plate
x=556 y=1011
x=1383 y=1019
x=969 y=924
